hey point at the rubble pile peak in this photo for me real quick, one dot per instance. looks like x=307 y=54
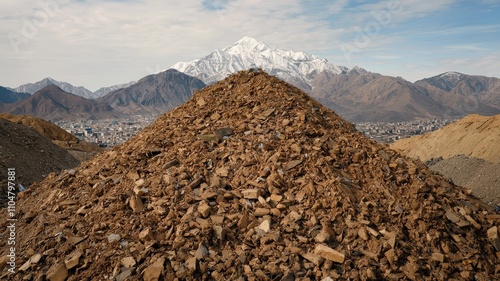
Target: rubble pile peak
x=253 y=180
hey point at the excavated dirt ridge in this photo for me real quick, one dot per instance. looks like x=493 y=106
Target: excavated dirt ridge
x=253 y=180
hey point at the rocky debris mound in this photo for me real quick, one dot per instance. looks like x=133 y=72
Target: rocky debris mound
x=81 y=150
x=251 y=179
x=32 y=155
x=478 y=175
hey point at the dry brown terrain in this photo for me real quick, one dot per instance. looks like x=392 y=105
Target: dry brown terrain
x=81 y=150
x=474 y=136
x=31 y=154
x=481 y=176
x=251 y=179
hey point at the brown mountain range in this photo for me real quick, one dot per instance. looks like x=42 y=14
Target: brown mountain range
x=464 y=94
x=236 y=185
x=362 y=96
x=153 y=94
x=52 y=103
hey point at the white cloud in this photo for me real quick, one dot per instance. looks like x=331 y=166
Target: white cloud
x=98 y=43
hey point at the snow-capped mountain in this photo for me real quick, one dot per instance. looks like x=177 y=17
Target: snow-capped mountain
x=298 y=68
x=31 y=88
x=105 y=90
x=67 y=87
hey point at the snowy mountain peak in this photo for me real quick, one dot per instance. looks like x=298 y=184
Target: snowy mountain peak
x=246 y=45
x=298 y=68
x=451 y=75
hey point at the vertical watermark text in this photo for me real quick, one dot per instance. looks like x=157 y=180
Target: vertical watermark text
x=11 y=219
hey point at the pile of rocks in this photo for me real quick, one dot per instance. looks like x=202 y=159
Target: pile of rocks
x=253 y=180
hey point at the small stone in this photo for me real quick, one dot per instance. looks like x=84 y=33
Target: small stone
x=153 y=272
x=438 y=257
x=322 y=237
x=204 y=209
x=494 y=237
x=264 y=227
x=243 y=221
x=220 y=232
x=139 y=182
x=191 y=264
x=113 y=238
x=73 y=259
x=201 y=253
x=317 y=260
x=57 y=272
x=362 y=233
x=251 y=193
x=146 y=235
x=329 y=253
x=260 y=212
x=128 y=262
x=124 y=275
x=223 y=172
x=285 y=122
x=140 y=191
x=201 y=102
x=136 y=204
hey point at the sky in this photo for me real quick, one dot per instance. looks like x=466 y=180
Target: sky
x=97 y=43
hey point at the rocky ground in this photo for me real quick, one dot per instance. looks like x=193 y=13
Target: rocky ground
x=252 y=180
x=480 y=176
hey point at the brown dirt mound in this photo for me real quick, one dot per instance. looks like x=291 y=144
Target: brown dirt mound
x=474 y=136
x=45 y=128
x=81 y=150
x=32 y=155
x=482 y=177
x=252 y=180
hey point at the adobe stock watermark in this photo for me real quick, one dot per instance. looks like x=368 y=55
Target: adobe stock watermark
x=364 y=35
x=45 y=10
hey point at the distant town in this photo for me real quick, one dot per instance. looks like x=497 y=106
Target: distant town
x=391 y=132
x=108 y=133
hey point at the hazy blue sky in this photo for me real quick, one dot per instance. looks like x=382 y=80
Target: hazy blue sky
x=94 y=43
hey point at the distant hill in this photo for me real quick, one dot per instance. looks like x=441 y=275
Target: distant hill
x=153 y=94
x=106 y=90
x=45 y=128
x=31 y=88
x=464 y=94
x=52 y=103
x=362 y=96
x=474 y=136
x=67 y=87
x=9 y=96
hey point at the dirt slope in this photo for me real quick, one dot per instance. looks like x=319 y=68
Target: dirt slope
x=32 y=155
x=474 y=136
x=251 y=179
x=481 y=176
x=81 y=150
